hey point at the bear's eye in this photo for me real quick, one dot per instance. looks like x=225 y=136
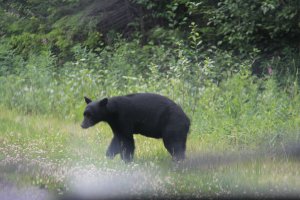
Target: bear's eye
x=86 y=114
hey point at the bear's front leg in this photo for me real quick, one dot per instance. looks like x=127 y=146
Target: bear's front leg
x=114 y=148
x=127 y=148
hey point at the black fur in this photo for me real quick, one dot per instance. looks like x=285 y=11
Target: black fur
x=148 y=114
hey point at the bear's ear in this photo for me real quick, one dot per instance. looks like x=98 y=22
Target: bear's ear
x=87 y=100
x=103 y=102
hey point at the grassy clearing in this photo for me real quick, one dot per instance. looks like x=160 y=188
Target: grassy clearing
x=59 y=155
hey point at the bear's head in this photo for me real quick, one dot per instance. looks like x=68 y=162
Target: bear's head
x=95 y=111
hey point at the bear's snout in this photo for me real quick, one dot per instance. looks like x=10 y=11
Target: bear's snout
x=84 y=126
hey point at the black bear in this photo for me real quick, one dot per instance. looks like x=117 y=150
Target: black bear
x=148 y=114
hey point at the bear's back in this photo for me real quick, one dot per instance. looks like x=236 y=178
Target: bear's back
x=150 y=103
x=148 y=112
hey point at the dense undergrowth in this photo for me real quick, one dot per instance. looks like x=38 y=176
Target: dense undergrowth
x=236 y=106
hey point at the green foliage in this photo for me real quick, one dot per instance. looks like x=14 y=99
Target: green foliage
x=11 y=63
x=244 y=23
x=246 y=110
x=266 y=30
x=269 y=29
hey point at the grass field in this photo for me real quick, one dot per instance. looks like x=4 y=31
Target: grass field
x=58 y=155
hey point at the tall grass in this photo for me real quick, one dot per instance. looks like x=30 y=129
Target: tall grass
x=242 y=109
